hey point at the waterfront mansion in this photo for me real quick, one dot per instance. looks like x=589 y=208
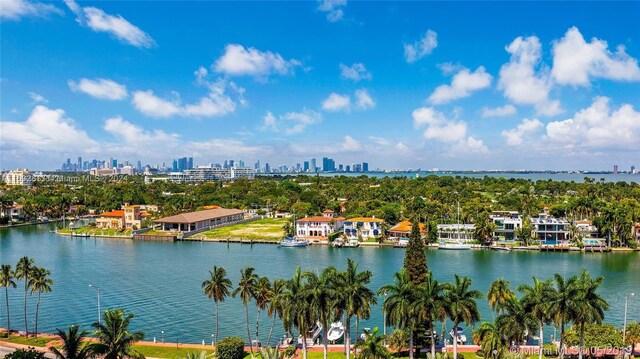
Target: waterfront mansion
x=319 y=227
x=363 y=228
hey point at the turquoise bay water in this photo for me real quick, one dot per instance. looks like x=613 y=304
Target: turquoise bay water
x=160 y=282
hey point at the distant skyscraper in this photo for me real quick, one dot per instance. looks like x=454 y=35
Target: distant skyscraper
x=114 y=163
x=348 y=168
x=340 y=168
x=313 y=166
x=174 y=168
x=257 y=165
x=139 y=166
x=79 y=164
x=615 y=169
x=305 y=166
x=365 y=167
x=267 y=168
x=633 y=169
x=190 y=163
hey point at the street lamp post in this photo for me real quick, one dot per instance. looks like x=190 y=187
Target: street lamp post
x=162 y=338
x=99 y=311
x=624 y=325
x=384 y=323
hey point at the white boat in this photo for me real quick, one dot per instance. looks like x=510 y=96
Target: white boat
x=336 y=331
x=365 y=333
x=461 y=337
x=401 y=243
x=82 y=235
x=293 y=242
x=312 y=335
x=338 y=243
x=353 y=243
x=501 y=248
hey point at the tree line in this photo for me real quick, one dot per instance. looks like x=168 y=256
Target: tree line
x=613 y=207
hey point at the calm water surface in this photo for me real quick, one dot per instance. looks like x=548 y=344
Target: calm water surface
x=160 y=282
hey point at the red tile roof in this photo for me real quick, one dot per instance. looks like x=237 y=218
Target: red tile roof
x=405 y=226
x=116 y=213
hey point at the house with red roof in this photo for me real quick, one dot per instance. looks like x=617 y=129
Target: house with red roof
x=319 y=227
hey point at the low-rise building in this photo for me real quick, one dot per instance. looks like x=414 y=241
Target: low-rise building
x=129 y=217
x=403 y=230
x=200 y=220
x=319 y=227
x=586 y=229
x=18 y=177
x=550 y=230
x=456 y=232
x=507 y=222
x=13 y=212
x=363 y=227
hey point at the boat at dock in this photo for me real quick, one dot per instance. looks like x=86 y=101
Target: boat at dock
x=501 y=248
x=461 y=339
x=291 y=242
x=336 y=331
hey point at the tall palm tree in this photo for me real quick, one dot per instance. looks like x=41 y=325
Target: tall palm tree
x=321 y=291
x=74 y=345
x=515 y=322
x=217 y=287
x=398 y=304
x=6 y=281
x=262 y=296
x=23 y=272
x=116 y=341
x=587 y=306
x=536 y=300
x=560 y=302
x=373 y=347
x=40 y=282
x=354 y=294
x=430 y=305
x=500 y=295
x=276 y=303
x=297 y=311
x=246 y=289
x=491 y=341
x=461 y=305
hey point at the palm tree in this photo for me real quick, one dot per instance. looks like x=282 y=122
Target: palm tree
x=372 y=347
x=537 y=301
x=559 y=305
x=491 y=341
x=217 y=287
x=262 y=295
x=6 y=281
x=39 y=282
x=321 y=292
x=116 y=340
x=398 y=304
x=247 y=288
x=297 y=310
x=276 y=303
x=354 y=294
x=461 y=305
x=515 y=322
x=587 y=306
x=430 y=305
x=500 y=295
x=73 y=344
x=23 y=272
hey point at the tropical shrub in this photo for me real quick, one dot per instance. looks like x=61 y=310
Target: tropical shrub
x=398 y=340
x=290 y=351
x=595 y=335
x=30 y=353
x=231 y=348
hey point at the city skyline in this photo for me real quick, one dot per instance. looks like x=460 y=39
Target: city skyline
x=478 y=86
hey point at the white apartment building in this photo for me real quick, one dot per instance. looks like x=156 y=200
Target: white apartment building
x=18 y=177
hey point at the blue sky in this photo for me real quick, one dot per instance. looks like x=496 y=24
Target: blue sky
x=452 y=85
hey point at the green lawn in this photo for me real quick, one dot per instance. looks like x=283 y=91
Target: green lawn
x=18 y=339
x=269 y=229
x=97 y=231
x=166 y=352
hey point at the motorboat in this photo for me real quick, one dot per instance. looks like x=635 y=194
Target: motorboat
x=500 y=248
x=336 y=331
x=81 y=235
x=461 y=337
x=401 y=243
x=338 y=243
x=312 y=335
x=454 y=245
x=353 y=243
x=293 y=242
x=365 y=333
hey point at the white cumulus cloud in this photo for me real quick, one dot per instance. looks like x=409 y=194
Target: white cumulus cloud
x=134 y=135
x=240 y=61
x=421 y=48
x=99 y=88
x=37 y=98
x=522 y=82
x=291 y=122
x=355 y=72
x=17 y=9
x=115 y=25
x=515 y=136
x=336 y=102
x=333 y=9
x=463 y=84
x=598 y=126
x=501 y=111
x=364 y=101
x=576 y=62
x=438 y=126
